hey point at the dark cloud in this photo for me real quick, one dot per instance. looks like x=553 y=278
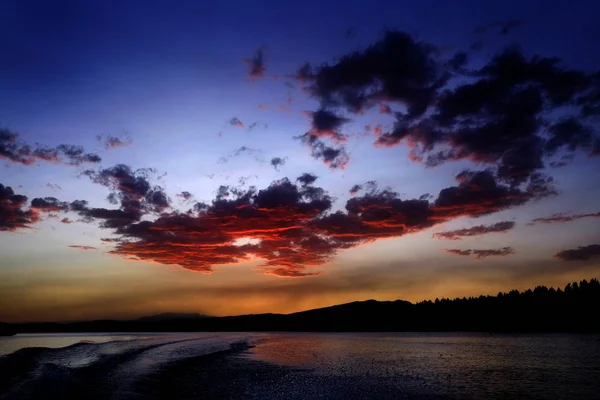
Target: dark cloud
x=49 y=204
x=245 y=150
x=481 y=254
x=504 y=251
x=369 y=187
x=15 y=150
x=185 y=195
x=501 y=114
x=257 y=64
x=396 y=68
x=481 y=193
x=355 y=189
x=242 y=180
x=255 y=125
x=459 y=252
x=563 y=218
x=53 y=186
x=74 y=246
x=334 y=157
x=307 y=179
x=327 y=124
x=236 y=122
x=374 y=216
x=12 y=215
x=580 y=253
x=458 y=62
x=499 y=119
x=130 y=189
x=478 y=230
x=114 y=142
x=278 y=162
x=241 y=151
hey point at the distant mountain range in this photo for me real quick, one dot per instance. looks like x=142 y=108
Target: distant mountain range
x=540 y=310
x=170 y=316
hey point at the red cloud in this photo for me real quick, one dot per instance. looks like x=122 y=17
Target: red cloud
x=289 y=226
x=293 y=229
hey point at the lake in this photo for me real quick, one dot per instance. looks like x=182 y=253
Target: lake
x=300 y=366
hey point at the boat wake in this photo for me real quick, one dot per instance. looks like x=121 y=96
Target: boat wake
x=112 y=370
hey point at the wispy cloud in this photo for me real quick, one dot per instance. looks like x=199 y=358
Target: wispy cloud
x=478 y=230
x=482 y=253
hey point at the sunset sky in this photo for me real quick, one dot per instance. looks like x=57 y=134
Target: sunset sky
x=246 y=157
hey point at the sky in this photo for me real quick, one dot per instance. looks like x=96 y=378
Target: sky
x=245 y=157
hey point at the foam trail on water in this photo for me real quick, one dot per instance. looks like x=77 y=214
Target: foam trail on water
x=110 y=370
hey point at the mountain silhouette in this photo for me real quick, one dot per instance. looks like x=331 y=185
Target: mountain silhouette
x=539 y=310
x=170 y=316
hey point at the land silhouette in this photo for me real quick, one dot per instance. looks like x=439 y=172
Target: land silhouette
x=541 y=309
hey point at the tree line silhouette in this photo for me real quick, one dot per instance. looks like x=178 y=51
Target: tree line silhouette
x=542 y=309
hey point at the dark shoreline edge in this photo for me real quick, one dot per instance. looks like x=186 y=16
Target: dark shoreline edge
x=542 y=310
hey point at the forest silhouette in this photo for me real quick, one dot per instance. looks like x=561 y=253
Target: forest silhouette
x=542 y=309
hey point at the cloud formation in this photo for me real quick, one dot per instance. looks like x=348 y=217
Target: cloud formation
x=563 y=218
x=185 y=195
x=128 y=188
x=114 y=142
x=278 y=162
x=12 y=215
x=512 y=113
x=49 y=204
x=369 y=186
x=291 y=227
x=74 y=246
x=478 y=230
x=580 y=253
x=15 y=150
x=481 y=254
x=257 y=64
x=235 y=121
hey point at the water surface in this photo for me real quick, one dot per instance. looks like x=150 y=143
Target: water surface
x=300 y=366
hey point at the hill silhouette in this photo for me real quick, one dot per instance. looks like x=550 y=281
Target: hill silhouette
x=539 y=310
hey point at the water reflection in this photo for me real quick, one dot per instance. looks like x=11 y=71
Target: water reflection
x=480 y=366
